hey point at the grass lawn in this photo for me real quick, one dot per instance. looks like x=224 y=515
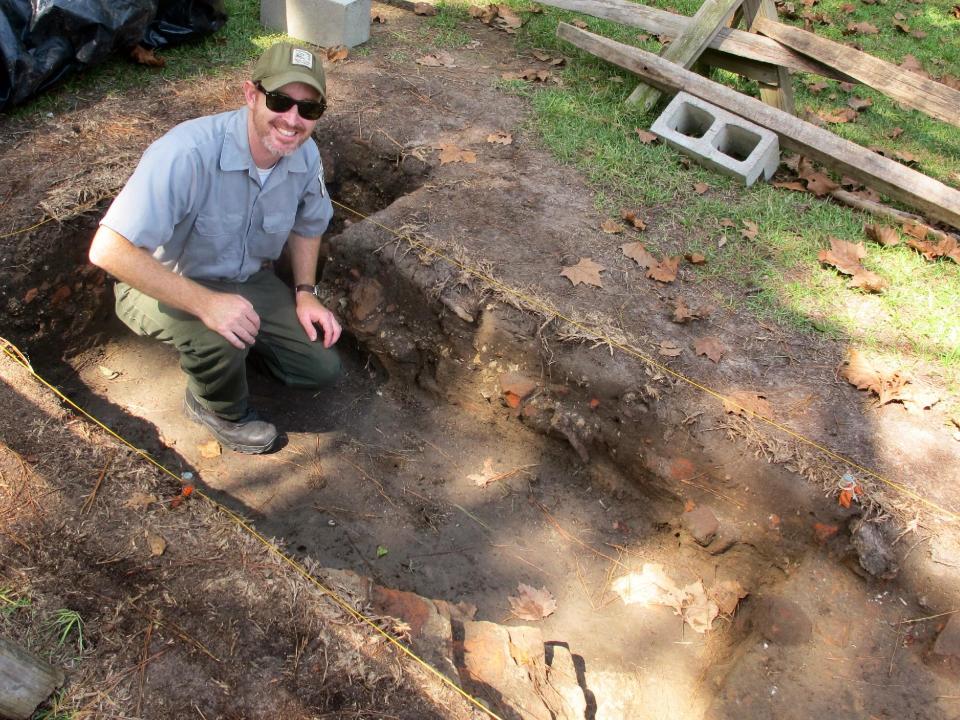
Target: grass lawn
x=585 y=123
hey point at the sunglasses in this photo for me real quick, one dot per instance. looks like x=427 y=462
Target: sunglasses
x=280 y=103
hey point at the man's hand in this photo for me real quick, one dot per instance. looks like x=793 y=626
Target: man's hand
x=311 y=313
x=233 y=317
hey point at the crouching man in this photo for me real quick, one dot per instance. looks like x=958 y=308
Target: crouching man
x=192 y=233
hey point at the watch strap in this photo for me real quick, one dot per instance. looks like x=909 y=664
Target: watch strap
x=312 y=289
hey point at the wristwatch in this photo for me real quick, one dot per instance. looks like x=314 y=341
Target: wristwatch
x=312 y=289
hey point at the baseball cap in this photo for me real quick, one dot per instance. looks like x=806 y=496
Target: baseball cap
x=284 y=63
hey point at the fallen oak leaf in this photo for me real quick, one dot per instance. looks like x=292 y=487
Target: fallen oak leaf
x=611 y=227
x=639 y=254
x=665 y=271
x=710 y=347
x=586 y=272
x=820 y=184
x=669 y=349
x=646 y=137
x=633 y=217
x=682 y=313
x=450 y=153
x=883 y=234
x=794 y=185
x=846 y=257
x=863 y=28
x=337 y=53
x=700 y=188
x=889 y=385
x=146 y=56
x=531 y=603
x=744 y=402
x=500 y=137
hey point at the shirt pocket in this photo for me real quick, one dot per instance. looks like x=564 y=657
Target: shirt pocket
x=268 y=240
x=215 y=246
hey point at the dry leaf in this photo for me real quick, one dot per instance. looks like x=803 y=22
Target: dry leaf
x=750 y=230
x=681 y=313
x=901 y=26
x=156 y=543
x=727 y=595
x=665 y=271
x=741 y=401
x=507 y=19
x=918 y=34
x=586 y=271
x=646 y=137
x=378 y=18
x=485 y=14
x=817 y=87
x=486 y=475
x=840 y=116
x=146 y=56
x=633 y=217
x=727 y=223
x=695 y=258
x=947 y=247
x=711 y=347
x=500 y=137
x=611 y=227
x=139 y=500
x=452 y=154
x=863 y=28
x=883 y=234
x=532 y=604
x=794 y=185
x=846 y=257
x=440 y=59
x=700 y=188
x=210 y=449
x=859 y=103
x=337 y=53
x=579 y=24
x=895 y=133
x=867 y=374
x=653 y=586
x=819 y=184
x=422 y=8
x=913 y=65
x=639 y=254
x=668 y=349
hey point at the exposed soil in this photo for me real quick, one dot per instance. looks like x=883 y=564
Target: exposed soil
x=594 y=469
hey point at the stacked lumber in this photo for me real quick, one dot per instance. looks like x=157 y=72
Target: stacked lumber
x=766 y=51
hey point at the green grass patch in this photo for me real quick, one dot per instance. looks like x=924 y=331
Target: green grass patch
x=776 y=276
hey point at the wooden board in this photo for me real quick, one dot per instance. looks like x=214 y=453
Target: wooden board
x=687 y=47
x=778 y=94
x=736 y=44
x=25 y=681
x=909 y=88
x=897 y=181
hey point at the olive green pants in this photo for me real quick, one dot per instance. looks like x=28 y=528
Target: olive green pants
x=215 y=369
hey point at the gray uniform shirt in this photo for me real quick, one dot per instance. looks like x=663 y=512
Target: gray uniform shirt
x=196 y=202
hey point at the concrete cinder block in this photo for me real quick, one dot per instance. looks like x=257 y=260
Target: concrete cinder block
x=718 y=139
x=321 y=22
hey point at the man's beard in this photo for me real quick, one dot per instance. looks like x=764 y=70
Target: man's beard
x=276 y=151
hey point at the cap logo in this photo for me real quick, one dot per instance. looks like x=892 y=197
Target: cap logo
x=302 y=57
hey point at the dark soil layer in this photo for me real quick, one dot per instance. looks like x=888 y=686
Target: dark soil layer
x=591 y=475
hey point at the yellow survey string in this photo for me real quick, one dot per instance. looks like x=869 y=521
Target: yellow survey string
x=630 y=350
x=13 y=352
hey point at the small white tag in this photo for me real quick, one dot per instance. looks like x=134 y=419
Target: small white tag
x=302 y=57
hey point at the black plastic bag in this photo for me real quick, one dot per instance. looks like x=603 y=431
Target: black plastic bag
x=43 y=41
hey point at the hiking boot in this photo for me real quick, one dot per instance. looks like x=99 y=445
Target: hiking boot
x=249 y=434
